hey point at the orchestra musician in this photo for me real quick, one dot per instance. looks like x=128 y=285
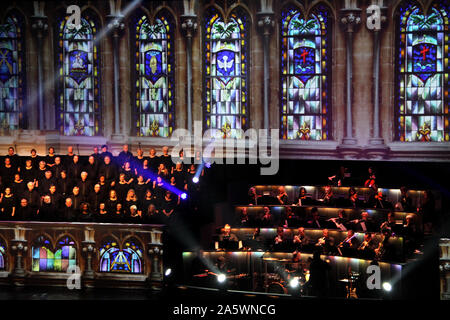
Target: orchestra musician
x=327 y=198
x=280 y=240
x=371 y=180
x=384 y=251
x=316 y=221
x=303 y=198
x=326 y=242
x=405 y=203
x=339 y=178
x=340 y=222
x=349 y=245
x=253 y=197
x=282 y=196
x=291 y=220
x=300 y=240
x=364 y=224
x=367 y=248
x=353 y=198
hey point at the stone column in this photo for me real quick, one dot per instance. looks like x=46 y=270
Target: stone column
x=88 y=249
x=350 y=20
x=266 y=25
x=39 y=27
x=116 y=25
x=155 y=252
x=189 y=27
x=19 y=247
x=376 y=148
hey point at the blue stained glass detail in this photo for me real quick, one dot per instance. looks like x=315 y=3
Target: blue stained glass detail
x=2 y=255
x=12 y=79
x=305 y=80
x=153 y=65
x=47 y=259
x=127 y=260
x=422 y=112
x=78 y=65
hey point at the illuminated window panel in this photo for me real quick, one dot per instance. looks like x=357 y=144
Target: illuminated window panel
x=305 y=80
x=2 y=255
x=45 y=259
x=78 y=98
x=226 y=73
x=154 y=71
x=422 y=74
x=12 y=80
x=125 y=260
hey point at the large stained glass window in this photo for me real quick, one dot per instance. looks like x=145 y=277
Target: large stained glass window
x=11 y=74
x=127 y=260
x=45 y=259
x=422 y=74
x=78 y=95
x=2 y=255
x=305 y=74
x=154 y=70
x=226 y=50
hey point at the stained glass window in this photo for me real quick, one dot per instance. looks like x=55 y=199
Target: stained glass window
x=45 y=259
x=422 y=74
x=154 y=67
x=226 y=73
x=305 y=74
x=127 y=260
x=2 y=255
x=11 y=74
x=78 y=97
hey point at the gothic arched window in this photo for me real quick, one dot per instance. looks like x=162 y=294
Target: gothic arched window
x=78 y=89
x=226 y=75
x=47 y=259
x=128 y=259
x=154 y=66
x=12 y=80
x=422 y=101
x=2 y=255
x=305 y=74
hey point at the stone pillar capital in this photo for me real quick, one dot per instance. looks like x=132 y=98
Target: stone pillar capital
x=39 y=24
x=189 y=25
x=116 y=25
x=350 y=19
x=266 y=23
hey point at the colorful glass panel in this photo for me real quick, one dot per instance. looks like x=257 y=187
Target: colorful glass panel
x=126 y=260
x=226 y=73
x=423 y=74
x=12 y=86
x=78 y=98
x=2 y=255
x=45 y=259
x=305 y=80
x=154 y=67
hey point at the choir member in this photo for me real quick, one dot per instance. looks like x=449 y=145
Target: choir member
x=7 y=171
x=46 y=182
x=148 y=200
x=166 y=159
x=96 y=155
x=282 y=196
x=122 y=187
x=7 y=205
x=24 y=211
x=77 y=198
x=168 y=204
x=32 y=196
x=158 y=189
x=96 y=197
x=48 y=210
x=138 y=161
x=105 y=153
x=141 y=186
x=135 y=216
x=124 y=156
x=18 y=186
x=130 y=200
x=152 y=216
x=57 y=167
x=40 y=172
x=64 y=184
x=75 y=168
x=84 y=185
x=34 y=158
x=92 y=169
x=109 y=171
x=180 y=176
x=85 y=214
x=56 y=197
x=68 y=158
x=128 y=172
x=104 y=187
x=153 y=160
x=117 y=215
x=163 y=172
x=50 y=158
x=102 y=213
x=28 y=172
x=69 y=212
x=112 y=201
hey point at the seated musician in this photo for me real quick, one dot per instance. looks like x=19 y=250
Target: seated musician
x=267 y=220
x=303 y=198
x=405 y=203
x=296 y=269
x=376 y=200
x=226 y=239
x=279 y=243
x=327 y=198
x=300 y=240
x=371 y=178
x=411 y=235
x=291 y=220
x=353 y=198
x=340 y=222
x=339 y=179
x=253 y=197
x=364 y=224
x=282 y=196
x=385 y=250
x=367 y=248
x=326 y=242
x=316 y=221
x=390 y=225
x=244 y=220
x=349 y=245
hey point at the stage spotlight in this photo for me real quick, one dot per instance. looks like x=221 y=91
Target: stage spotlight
x=168 y=272
x=293 y=283
x=208 y=165
x=221 y=278
x=195 y=179
x=183 y=196
x=387 y=286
